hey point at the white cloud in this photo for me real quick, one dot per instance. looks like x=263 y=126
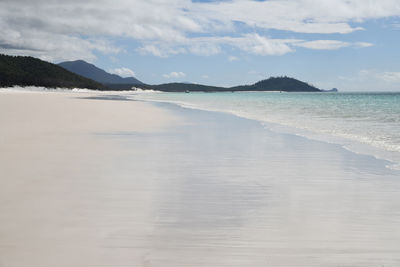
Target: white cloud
x=362 y=44
x=197 y=46
x=391 y=77
x=250 y=43
x=59 y=30
x=373 y=75
x=323 y=44
x=157 y=50
x=369 y=80
x=174 y=74
x=306 y=16
x=52 y=47
x=204 y=48
x=233 y=58
x=123 y=72
x=395 y=25
x=263 y=46
x=330 y=44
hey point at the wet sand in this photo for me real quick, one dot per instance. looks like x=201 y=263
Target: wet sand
x=87 y=181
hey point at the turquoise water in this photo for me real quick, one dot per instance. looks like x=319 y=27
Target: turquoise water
x=367 y=123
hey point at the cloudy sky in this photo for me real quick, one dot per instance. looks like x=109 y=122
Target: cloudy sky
x=349 y=44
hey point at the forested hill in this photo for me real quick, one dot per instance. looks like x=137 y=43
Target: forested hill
x=183 y=87
x=30 y=71
x=284 y=84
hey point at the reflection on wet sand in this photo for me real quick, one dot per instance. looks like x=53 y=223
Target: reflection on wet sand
x=206 y=189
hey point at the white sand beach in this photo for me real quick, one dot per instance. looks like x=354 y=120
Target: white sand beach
x=91 y=180
x=54 y=166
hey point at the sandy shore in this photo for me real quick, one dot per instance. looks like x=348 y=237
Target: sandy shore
x=86 y=181
x=55 y=162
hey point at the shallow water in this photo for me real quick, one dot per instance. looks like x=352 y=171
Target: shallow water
x=367 y=123
x=224 y=191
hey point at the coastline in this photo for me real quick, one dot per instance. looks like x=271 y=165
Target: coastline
x=107 y=182
x=356 y=143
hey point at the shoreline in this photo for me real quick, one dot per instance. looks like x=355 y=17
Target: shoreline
x=353 y=146
x=392 y=158
x=96 y=182
x=280 y=129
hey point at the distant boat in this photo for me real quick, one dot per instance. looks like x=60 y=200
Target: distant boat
x=187 y=91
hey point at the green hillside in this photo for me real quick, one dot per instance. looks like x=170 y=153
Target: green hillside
x=182 y=87
x=30 y=71
x=284 y=84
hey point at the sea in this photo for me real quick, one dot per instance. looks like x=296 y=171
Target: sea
x=363 y=122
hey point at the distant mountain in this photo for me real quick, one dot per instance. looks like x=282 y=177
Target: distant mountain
x=90 y=71
x=285 y=84
x=30 y=71
x=19 y=70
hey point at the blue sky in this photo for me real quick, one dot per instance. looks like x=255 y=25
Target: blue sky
x=348 y=44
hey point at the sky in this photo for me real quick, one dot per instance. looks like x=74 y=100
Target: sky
x=353 y=45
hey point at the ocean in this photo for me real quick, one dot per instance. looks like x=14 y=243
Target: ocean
x=362 y=122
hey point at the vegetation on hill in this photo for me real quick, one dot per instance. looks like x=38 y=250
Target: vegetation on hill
x=30 y=71
x=285 y=84
x=183 y=87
